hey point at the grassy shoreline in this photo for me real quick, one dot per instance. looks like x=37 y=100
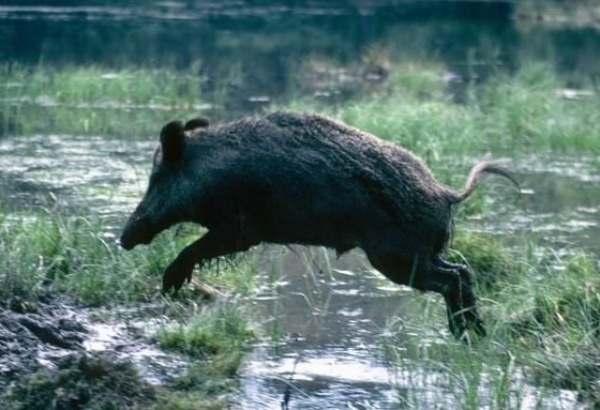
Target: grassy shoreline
x=73 y=259
x=507 y=116
x=125 y=103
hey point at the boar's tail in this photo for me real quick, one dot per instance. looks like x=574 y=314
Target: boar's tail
x=475 y=176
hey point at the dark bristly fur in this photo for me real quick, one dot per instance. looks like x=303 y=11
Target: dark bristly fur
x=307 y=179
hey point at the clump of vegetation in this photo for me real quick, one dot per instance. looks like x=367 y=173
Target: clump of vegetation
x=215 y=337
x=216 y=329
x=486 y=257
x=77 y=256
x=105 y=382
x=81 y=381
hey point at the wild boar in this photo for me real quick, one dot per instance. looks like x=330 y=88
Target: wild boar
x=306 y=179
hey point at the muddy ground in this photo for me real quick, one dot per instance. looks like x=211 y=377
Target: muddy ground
x=44 y=363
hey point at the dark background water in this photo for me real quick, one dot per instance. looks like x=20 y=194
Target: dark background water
x=251 y=51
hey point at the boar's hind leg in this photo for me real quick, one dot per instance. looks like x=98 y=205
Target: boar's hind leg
x=432 y=275
x=468 y=297
x=214 y=243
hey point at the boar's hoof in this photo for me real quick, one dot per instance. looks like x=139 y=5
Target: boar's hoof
x=478 y=327
x=176 y=274
x=464 y=322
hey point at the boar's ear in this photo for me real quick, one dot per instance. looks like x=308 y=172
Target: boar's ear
x=172 y=140
x=195 y=123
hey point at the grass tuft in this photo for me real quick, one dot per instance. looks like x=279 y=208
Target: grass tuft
x=486 y=257
x=77 y=256
x=80 y=381
x=216 y=329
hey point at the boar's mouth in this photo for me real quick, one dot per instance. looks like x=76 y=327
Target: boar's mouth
x=138 y=230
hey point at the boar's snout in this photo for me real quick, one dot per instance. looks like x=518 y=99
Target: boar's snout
x=138 y=230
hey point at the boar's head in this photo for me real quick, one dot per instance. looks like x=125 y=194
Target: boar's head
x=164 y=204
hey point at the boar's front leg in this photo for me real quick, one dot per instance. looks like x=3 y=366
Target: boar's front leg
x=214 y=243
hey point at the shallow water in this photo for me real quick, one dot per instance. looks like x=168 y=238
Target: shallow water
x=328 y=327
x=558 y=204
x=129 y=332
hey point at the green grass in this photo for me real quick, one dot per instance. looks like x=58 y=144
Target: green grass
x=75 y=255
x=95 y=86
x=215 y=330
x=506 y=116
x=215 y=337
x=543 y=318
x=80 y=257
x=129 y=103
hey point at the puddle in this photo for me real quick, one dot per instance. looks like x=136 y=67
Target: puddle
x=327 y=328
x=57 y=329
x=559 y=205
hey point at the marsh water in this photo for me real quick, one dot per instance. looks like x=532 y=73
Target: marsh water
x=327 y=316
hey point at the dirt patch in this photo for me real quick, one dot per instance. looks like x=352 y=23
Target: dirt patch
x=44 y=363
x=34 y=335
